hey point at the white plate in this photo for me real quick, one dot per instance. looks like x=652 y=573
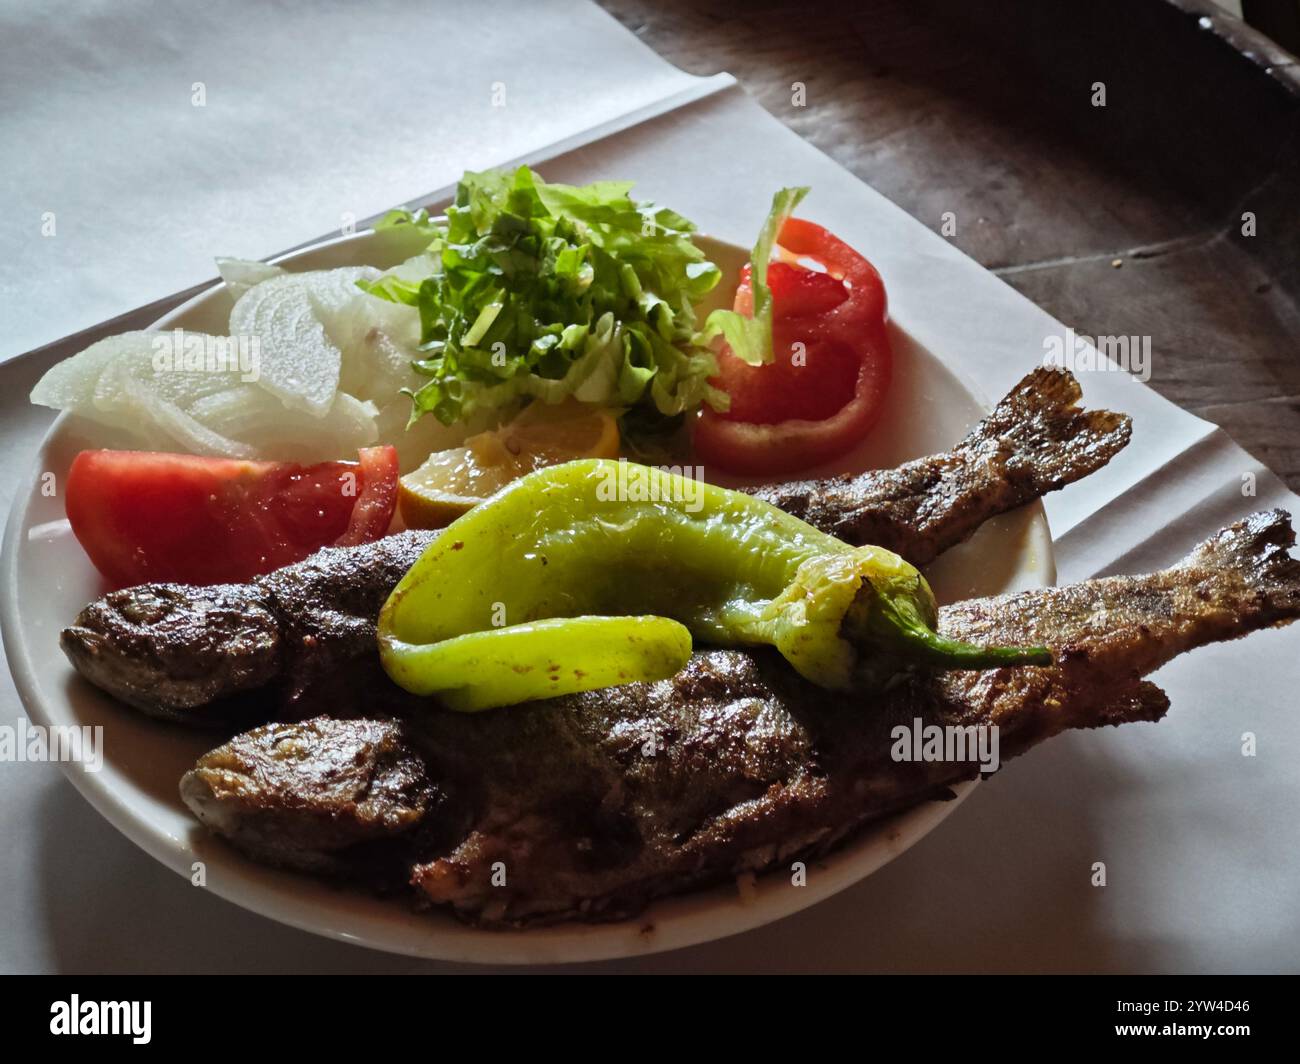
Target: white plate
x=45 y=579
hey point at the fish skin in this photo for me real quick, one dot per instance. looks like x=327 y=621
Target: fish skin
x=163 y=650
x=300 y=794
x=314 y=620
x=753 y=767
x=202 y=656
x=1036 y=440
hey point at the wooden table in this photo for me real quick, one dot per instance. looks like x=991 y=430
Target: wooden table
x=1123 y=219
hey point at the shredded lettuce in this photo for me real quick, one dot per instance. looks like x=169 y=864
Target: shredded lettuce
x=547 y=290
x=750 y=339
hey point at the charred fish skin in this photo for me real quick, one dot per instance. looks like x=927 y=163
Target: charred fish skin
x=756 y=766
x=1035 y=441
x=328 y=612
x=212 y=656
x=323 y=611
x=1238 y=581
x=176 y=652
x=598 y=803
x=314 y=796
x=445 y=852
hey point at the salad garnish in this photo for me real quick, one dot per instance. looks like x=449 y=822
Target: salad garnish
x=191 y=519
x=549 y=290
x=825 y=386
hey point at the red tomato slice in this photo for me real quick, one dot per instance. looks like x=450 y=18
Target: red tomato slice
x=150 y=517
x=373 y=512
x=800 y=300
x=801 y=291
x=814 y=401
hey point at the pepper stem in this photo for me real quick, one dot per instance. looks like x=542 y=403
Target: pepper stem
x=893 y=622
x=948 y=653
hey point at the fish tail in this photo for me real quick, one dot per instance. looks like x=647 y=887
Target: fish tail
x=1037 y=439
x=1121 y=628
x=1046 y=436
x=1255 y=569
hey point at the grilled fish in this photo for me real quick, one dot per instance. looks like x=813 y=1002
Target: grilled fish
x=244 y=652
x=594 y=804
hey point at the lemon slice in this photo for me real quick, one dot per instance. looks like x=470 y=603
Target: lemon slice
x=453 y=481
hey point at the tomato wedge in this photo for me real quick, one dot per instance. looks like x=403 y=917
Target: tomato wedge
x=825 y=389
x=151 y=517
x=377 y=499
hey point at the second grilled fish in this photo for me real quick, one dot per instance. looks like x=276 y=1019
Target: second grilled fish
x=594 y=804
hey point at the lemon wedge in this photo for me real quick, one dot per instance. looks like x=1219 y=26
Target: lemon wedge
x=453 y=481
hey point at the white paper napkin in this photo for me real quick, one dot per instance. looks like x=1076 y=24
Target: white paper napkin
x=142 y=139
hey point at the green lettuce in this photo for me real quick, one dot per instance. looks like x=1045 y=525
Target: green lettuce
x=549 y=290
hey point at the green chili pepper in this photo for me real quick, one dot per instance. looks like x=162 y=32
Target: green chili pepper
x=597 y=573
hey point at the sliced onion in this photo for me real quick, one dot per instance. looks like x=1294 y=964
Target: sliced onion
x=248 y=414
x=242 y=274
x=300 y=360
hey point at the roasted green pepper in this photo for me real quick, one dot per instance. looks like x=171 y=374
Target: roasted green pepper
x=598 y=573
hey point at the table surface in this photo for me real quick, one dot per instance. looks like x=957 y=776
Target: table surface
x=1123 y=220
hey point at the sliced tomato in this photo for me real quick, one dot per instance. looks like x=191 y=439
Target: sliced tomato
x=151 y=517
x=780 y=391
x=377 y=500
x=825 y=388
